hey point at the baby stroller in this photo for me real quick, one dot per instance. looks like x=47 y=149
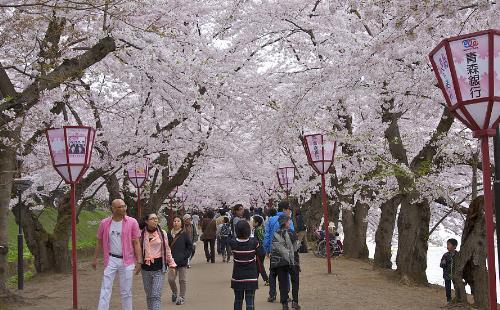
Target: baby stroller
x=335 y=244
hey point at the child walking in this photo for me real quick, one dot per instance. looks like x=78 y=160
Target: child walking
x=258 y=233
x=245 y=277
x=448 y=264
x=224 y=232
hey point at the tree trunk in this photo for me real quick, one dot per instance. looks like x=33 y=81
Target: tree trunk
x=355 y=225
x=7 y=169
x=413 y=234
x=385 y=231
x=470 y=263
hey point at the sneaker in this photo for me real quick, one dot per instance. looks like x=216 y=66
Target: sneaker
x=285 y=306
x=295 y=305
x=223 y=260
x=271 y=298
x=188 y=266
x=180 y=301
x=174 y=297
x=266 y=283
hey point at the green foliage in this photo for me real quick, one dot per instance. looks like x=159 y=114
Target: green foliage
x=12 y=281
x=86 y=230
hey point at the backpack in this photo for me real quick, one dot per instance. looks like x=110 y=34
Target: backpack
x=225 y=231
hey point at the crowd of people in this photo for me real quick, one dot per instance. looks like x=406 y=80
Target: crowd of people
x=245 y=237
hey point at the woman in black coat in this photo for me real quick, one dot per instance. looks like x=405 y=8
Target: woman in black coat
x=181 y=247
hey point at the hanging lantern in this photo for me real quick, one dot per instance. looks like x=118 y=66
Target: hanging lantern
x=320 y=152
x=138 y=173
x=71 y=151
x=286 y=176
x=467 y=68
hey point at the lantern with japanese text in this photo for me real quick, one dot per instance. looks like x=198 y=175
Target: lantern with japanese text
x=320 y=154
x=138 y=174
x=286 y=176
x=71 y=151
x=467 y=68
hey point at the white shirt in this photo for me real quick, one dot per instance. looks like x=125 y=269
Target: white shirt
x=115 y=238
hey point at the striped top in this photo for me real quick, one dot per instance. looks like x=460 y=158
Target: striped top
x=245 y=274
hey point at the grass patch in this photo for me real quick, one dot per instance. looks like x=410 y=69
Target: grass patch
x=86 y=230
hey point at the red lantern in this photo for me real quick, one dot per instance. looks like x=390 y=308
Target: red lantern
x=320 y=154
x=286 y=176
x=71 y=151
x=468 y=72
x=138 y=174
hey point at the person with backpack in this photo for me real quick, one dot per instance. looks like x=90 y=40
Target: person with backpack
x=181 y=247
x=223 y=236
x=209 y=231
x=271 y=227
x=282 y=258
x=156 y=258
x=258 y=233
x=192 y=232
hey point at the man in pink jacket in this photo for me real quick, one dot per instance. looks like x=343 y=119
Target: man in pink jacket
x=118 y=237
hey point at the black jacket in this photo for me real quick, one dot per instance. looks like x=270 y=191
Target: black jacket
x=181 y=249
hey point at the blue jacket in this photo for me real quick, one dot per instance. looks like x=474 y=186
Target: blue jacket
x=272 y=226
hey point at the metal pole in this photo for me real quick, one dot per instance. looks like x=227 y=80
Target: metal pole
x=20 y=247
x=496 y=149
x=326 y=223
x=73 y=246
x=488 y=210
x=138 y=203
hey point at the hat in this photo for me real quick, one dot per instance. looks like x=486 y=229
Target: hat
x=186 y=217
x=283 y=219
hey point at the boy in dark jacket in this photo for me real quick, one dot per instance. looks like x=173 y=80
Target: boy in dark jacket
x=448 y=265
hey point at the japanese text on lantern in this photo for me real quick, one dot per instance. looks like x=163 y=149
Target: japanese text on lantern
x=316 y=149
x=443 y=70
x=473 y=73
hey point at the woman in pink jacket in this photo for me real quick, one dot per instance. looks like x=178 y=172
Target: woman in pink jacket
x=156 y=258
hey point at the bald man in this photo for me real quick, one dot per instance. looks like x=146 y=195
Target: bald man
x=118 y=237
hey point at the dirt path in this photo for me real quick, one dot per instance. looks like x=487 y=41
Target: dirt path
x=353 y=285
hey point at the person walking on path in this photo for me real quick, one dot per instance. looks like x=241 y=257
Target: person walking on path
x=238 y=212
x=192 y=232
x=224 y=234
x=273 y=226
x=196 y=220
x=244 y=280
x=181 y=247
x=118 y=237
x=157 y=257
x=448 y=264
x=258 y=233
x=301 y=229
x=209 y=231
x=283 y=257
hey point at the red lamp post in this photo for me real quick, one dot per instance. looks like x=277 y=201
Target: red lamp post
x=171 y=196
x=468 y=72
x=138 y=174
x=320 y=153
x=286 y=176
x=71 y=151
